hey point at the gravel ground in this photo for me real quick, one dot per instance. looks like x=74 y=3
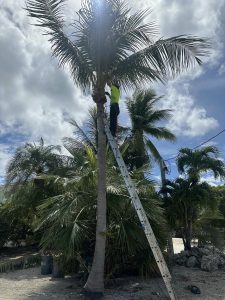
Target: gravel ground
x=29 y=284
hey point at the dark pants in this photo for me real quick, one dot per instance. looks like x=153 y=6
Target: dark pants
x=114 y=112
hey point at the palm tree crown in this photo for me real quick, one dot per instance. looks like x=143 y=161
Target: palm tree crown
x=144 y=116
x=194 y=162
x=31 y=160
x=108 y=42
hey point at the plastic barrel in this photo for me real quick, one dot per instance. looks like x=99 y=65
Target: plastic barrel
x=46 y=264
x=57 y=272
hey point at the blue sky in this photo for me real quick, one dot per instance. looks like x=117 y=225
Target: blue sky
x=209 y=92
x=36 y=95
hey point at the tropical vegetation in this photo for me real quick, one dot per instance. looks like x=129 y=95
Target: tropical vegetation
x=59 y=213
x=145 y=117
x=51 y=198
x=110 y=43
x=189 y=198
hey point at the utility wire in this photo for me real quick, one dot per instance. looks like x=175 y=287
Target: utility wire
x=203 y=143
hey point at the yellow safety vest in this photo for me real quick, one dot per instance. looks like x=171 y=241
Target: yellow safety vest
x=115 y=94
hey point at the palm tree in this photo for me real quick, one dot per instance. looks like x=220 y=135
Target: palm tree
x=70 y=219
x=31 y=160
x=185 y=205
x=111 y=43
x=25 y=186
x=193 y=163
x=189 y=192
x=144 y=116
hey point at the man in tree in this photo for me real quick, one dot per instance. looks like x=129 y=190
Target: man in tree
x=114 y=106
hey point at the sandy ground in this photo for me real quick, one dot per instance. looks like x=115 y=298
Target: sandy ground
x=30 y=284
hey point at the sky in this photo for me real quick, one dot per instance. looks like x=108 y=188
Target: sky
x=37 y=97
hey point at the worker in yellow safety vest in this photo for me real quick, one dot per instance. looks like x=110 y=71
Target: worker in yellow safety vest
x=114 y=107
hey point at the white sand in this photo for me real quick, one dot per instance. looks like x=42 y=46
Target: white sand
x=30 y=284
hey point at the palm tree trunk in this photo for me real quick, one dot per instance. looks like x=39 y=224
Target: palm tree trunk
x=95 y=282
x=170 y=249
x=189 y=235
x=188 y=229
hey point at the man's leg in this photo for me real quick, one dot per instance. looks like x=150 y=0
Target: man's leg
x=113 y=119
x=116 y=118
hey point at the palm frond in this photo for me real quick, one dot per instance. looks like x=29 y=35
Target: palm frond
x=31 y=159
x=155 y=153
x=197 y=161
x=48 y=14
x=83 y=137
x=164 y=58
x=160 y=133
x=210 y=150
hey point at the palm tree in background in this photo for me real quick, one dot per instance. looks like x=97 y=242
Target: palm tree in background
x=185 y=204
x=69 y=217
x=110 y=43
x=31 y=160
x=144 y=116
x=189 y=195
x=193 y=163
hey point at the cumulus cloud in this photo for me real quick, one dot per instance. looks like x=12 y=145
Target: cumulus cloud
x=5 y=154
x=36 y=96
x=221 y=70
x=196 y=17
x=200 y=18
x=209 y=178
x=188 y=119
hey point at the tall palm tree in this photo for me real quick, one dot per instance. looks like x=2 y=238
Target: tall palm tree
x=109 y=43
x=193 y=163
x=144 y=116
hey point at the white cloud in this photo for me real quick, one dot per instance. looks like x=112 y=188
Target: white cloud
x=36 y=96
x=197 y=17
x=4 y=158
x=211 y=180
x=200 y=18
x=187 y=118
x=221 y=70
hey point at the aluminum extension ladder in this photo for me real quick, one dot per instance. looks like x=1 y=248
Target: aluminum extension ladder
x=141 y=214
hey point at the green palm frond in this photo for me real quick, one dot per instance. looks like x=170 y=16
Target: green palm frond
x=134 y=34
x=113 y=43
x=48 y=14
x=163 y=58
x=30 y=160
x=210 y=150
x=195 y=162
x=160 y=115
x=82 y=136
x=155 y=153
x=160 y=133
x=144 y=116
